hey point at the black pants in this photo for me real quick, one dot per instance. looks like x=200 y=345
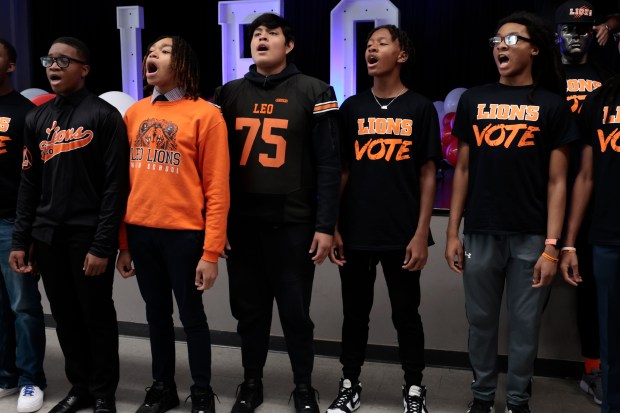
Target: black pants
x=165 y=262
x=267 y=262
x=587 y=307
x=84 y=311
x=358 y=279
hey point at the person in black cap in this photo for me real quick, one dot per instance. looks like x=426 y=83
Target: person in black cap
x=575 y=22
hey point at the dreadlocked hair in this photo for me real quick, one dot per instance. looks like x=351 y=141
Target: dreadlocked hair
x=547 y=69
x=184 y=63
x=405 y=45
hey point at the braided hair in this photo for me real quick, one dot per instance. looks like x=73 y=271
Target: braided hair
x=184 y=63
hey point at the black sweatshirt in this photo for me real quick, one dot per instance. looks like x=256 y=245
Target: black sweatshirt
x=74 y=172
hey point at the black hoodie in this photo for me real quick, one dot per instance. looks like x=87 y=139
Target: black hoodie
x=284 y=148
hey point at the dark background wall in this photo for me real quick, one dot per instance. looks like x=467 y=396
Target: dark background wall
x=450 y=37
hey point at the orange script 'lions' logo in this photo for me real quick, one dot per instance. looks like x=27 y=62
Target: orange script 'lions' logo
x=157 y=132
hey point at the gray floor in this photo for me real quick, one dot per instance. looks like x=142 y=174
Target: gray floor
x=448 y=390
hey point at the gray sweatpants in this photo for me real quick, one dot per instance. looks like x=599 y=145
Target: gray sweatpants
x=490 y=262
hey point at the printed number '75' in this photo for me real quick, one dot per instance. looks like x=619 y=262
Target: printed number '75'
x=253 y=126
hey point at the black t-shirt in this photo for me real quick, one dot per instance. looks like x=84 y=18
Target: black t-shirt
x=384 y=150
x=13 y=109
x=510 y=140
x=581 y=80
x=603 y=134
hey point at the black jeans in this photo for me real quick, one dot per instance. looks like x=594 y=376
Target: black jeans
x=267 y=262
x=83 y=309
x=587 y=307
x=358 y=280
x=165 y=262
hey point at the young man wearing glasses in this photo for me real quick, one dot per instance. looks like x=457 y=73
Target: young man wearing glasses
x=510 y=184
x=72 y=192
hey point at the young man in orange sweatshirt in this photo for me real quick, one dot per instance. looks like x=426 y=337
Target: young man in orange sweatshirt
x=176 y=215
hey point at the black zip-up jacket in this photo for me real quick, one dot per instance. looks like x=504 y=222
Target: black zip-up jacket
x=284 y=148
x=74 y=172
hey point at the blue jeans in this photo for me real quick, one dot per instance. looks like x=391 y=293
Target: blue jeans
x=22 y=329
x=607 y=275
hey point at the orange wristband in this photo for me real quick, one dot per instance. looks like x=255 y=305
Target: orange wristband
x=549 y=257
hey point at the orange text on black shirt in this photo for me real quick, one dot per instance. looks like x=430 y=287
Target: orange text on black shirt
x=519 y=134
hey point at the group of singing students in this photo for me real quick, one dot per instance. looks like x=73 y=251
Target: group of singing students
x=274 y=177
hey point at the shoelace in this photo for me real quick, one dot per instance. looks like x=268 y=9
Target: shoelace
x=306 y=397
x=201 y=401
x=480 y=407
x=28 y=390
x=415 y=404
x=153 y=395
x=243 y=392
x=343 y=397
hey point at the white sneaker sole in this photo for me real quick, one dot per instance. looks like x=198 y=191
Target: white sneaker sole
x=586 y=388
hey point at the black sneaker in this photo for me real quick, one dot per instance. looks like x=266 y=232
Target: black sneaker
x=203 y=401
x=160 y=397
x=481 y=406
x=105 y=405
x=522 y=408
x=304 y=396
x=414 y=399
x=348 y=399
x=249 y=396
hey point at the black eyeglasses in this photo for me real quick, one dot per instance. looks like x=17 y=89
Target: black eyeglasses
x=509 y=39
x=61 y=61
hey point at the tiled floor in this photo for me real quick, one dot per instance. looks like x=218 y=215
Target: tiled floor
x=448 y=389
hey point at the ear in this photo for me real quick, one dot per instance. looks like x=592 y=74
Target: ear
x=290 y=46
x=11 y=67
x=535 y=51
x=85 y=70
x=402 y=57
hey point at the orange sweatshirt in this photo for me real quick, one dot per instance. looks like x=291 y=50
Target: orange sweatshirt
x=179 y=168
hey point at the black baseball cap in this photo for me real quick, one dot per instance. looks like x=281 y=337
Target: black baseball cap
x=574 y=12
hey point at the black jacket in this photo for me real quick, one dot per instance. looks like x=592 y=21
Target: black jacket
x=74 y=172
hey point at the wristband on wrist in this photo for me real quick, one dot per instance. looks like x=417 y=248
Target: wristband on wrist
x=568 y=250
x=549 y=257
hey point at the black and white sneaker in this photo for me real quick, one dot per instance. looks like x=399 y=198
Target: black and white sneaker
x=414 y=399
x=348 y=399
x=481 y=406
x=522 y=408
